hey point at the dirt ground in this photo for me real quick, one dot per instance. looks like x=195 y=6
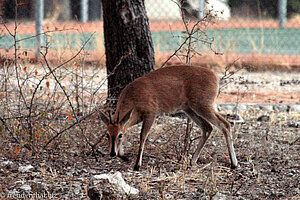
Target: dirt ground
x=267 y=151
x=268 y=155
x=261 y=87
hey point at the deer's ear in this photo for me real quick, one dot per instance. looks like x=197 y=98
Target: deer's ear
x=126 y=117
x=104 y=118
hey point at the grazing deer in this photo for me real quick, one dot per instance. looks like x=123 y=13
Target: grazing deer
x=190 y=88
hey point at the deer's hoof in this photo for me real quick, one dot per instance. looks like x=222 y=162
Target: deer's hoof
x=233 y=166
x=125 y=158
x=136 y=168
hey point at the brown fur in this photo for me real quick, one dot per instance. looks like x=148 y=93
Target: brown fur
x=191 y=88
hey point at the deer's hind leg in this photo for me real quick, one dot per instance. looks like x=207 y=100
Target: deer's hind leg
x=208 y=113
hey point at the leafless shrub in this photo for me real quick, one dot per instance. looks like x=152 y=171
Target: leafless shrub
x=41 y=102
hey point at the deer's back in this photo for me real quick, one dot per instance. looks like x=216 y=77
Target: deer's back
x=168 y=88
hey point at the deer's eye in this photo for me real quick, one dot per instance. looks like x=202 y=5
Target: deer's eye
x=120 y=135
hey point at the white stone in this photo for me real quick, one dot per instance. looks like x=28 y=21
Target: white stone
x=219 y=196
x=6 y=163
x=26 y=187
x=26 y=168
x=295 y=108
x=111 y=185
x=266 y=107
x=120 y=183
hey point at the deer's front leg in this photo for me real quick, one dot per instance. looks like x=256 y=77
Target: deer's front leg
x=147 y=123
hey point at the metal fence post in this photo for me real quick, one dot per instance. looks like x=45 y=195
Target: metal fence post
x=84 y=10
x=201 y=8
x=282 y=4
x=39 y=16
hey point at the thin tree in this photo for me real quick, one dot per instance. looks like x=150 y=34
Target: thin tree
x=128 y=44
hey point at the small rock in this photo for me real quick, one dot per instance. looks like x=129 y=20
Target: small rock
x=6 y=163
x=77 y=188
x=169 y=196
x=281 y=107
x=294 y=125
x=24 y=169
x=264 y=118
x=242 y=107
x=295 y=108
x=227 y=107
x=254 y=107
x=110 y=186
x=235 y=118
x=69 y=173
x=219 y=196
x=266 y=107
x=26 y=187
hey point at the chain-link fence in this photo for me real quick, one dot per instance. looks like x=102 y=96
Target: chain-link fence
x=246 y=38
x=250 y=38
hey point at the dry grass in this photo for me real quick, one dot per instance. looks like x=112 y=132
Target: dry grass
x=268 y=156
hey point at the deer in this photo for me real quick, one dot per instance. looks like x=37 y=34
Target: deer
x=192 y=89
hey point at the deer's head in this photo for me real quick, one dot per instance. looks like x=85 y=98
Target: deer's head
x=115 y=132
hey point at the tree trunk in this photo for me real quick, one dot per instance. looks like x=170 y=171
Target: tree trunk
x=128 y=44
